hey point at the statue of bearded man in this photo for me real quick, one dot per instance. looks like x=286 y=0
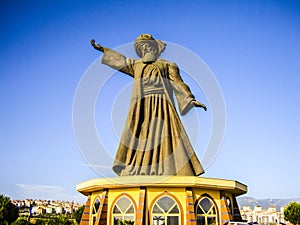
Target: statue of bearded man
x=153 y=141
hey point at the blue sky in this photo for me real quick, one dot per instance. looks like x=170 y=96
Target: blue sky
x=252 y=47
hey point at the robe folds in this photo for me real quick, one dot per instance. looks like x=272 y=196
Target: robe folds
x=154 y=141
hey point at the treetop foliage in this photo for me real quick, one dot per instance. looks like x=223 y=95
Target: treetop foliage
x=292 y=213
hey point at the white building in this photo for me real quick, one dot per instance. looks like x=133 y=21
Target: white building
x=271 y=215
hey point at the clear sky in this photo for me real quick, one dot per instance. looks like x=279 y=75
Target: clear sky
x=252 y=47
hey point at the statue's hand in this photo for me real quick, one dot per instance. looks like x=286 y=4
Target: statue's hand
x=96 y=46
x=198 y=104
x=93 y=42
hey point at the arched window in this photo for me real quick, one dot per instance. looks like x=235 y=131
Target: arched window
x=206 y=212
x=95 y=209
x=165 y=211
x=123 y=211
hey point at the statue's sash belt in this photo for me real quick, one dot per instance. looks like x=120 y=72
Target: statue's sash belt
x=150 y=91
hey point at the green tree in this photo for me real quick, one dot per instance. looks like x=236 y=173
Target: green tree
x=60 y=220
x=21 y=221
x=292 y=213
x=123 y=222
x=78 y=213
x=40 y=222
x=8 y=211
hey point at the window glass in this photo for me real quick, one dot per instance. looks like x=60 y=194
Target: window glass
x=165 y=203
x=124 y=203
x=205 y=204
x=156 y=209
x=116 y=210
x=174 y=209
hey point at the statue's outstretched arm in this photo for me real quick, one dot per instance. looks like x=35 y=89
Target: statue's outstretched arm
x=114 y=59
x=97 y=46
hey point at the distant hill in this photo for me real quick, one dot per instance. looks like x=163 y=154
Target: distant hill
x=264 y=203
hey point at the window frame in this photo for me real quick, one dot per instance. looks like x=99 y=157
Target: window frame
x=176 y=202
x=93 y=216
x=207 y=215
x=133 y=203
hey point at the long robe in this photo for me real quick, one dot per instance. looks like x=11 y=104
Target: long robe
x=154 y=141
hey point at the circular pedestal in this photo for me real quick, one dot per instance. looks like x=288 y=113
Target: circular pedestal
x=160 y=200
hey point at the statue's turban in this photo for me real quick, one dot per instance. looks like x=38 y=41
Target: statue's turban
x=147 y=38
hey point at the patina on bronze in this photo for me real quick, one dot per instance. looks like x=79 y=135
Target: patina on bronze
x=154 y=141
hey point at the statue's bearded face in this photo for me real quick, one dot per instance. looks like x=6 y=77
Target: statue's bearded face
x=148 y=52
x=146 y=48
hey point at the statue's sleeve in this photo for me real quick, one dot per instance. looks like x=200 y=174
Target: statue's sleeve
x=182 y=92
x=118 y=61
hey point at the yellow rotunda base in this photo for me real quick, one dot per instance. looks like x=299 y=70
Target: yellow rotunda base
x=160 y=200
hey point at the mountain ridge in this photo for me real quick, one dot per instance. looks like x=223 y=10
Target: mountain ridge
x=265 y=203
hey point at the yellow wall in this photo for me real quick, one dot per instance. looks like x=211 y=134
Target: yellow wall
x=153 y=194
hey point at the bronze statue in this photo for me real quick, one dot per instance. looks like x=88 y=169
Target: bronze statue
x=154 y=141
